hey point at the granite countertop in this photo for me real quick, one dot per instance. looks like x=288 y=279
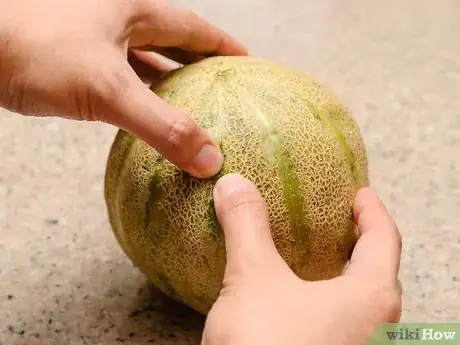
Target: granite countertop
x=63 y=278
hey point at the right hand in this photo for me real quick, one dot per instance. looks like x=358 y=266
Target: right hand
x=264 y=302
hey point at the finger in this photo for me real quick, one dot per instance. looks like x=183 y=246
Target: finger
x=177 y=55
x=149 y=74
x=166 y=26
x=155 y=59
x=378 y=251
x=170 y=130
x=243 y=216
x=150 y=66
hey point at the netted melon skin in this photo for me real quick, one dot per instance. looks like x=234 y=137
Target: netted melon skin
x=276 y=126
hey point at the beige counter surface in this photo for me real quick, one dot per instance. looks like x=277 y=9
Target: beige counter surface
x=65 y=281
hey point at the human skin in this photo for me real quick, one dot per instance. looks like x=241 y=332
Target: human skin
x=70 y=59
x=263 y=302
x=83 y=60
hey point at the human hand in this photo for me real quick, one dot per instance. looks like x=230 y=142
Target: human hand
x=69 y=59
x=264 y=302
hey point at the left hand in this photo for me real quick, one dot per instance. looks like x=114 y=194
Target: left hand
x=70 y=59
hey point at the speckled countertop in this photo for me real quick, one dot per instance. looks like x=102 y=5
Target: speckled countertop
x=64 y=280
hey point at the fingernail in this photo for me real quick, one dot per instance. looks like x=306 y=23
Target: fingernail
x=231 y=183
x=208 y=161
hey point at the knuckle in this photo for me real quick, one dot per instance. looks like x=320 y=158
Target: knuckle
x=190 y=24
x=248 y=206
x=398 y=237
x=190 y=17
x=182 y=132
x=395 y=234
x=390 y=225
x=245 y=202
x=150 y=12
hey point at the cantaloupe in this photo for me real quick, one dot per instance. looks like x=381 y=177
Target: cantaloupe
x=276 y=126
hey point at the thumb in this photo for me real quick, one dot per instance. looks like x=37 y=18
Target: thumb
x=243 y=216
x=136 y=109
